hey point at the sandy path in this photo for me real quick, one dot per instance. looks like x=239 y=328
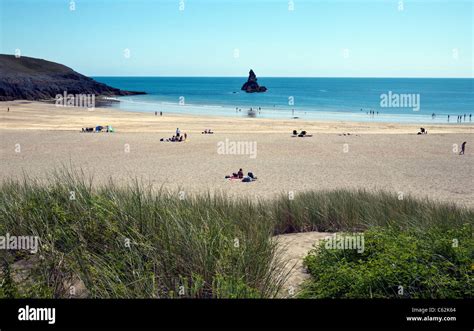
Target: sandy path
x=293 y=248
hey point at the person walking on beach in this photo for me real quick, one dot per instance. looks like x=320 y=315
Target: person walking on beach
x=463 y=148
x=161 y=113
x=156 y=113
x=8 y=109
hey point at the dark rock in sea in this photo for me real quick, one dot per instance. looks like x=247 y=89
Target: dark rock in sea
x=251 y=85
x=26 y=78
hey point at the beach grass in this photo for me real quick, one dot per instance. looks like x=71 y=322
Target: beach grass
x=134 y=241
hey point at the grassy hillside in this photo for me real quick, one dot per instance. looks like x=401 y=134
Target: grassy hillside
x=27 y=78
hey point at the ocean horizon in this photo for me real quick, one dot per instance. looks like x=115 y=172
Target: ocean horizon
x=407 y=100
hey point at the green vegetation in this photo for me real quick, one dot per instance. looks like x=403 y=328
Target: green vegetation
x=434 y=264
x=133 y=242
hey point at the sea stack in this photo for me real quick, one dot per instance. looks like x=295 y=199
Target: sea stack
x=251 y=85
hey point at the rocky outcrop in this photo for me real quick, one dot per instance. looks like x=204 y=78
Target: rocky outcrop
x=251 y=85
x=27 y=78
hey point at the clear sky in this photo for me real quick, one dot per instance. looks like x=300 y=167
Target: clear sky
x=318 y=38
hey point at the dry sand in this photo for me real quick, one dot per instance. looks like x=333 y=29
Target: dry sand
x=375 y=156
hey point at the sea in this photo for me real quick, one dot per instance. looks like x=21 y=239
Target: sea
x=407 y=100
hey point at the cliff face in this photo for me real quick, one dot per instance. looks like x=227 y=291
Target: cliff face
x=35 y=79
x=251 y=84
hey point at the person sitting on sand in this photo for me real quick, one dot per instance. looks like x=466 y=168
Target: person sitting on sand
x=422 y=131
x=239 y=174
x=302 y=134
x=463 y=148
x=177 y=132
x=295 y=133
x=205 y=131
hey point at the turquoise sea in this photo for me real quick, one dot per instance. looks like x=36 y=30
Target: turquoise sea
x=350 y=99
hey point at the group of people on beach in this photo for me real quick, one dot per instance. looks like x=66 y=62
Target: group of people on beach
x=371 y=112
x=99 y=128
x=178 y=137
x=301 y=134
x=240 y=176
x=462 y=118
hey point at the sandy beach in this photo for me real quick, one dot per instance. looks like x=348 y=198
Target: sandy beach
x=38 y=137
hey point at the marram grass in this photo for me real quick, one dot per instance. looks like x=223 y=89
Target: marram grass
x=136 y=242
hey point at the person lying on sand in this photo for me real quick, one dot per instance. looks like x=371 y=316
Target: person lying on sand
x=249 y=178
x=207 y=131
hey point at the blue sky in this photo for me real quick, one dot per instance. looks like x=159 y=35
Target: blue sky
x=319 y=38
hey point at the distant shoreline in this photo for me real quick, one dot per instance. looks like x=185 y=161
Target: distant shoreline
x=34 y=115
x=280 y=113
